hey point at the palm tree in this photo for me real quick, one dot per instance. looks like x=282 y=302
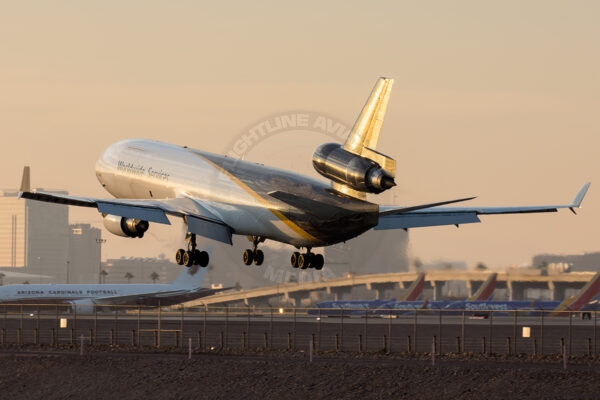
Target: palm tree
x=154 y=276
x=128 y=276
x=103 y=274
x=418 y=264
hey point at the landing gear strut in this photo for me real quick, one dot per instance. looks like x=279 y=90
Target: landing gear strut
x=192 y=256
x=307 y=260
x=254 y=255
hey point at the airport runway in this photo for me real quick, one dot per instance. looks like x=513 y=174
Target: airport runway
x=291 y=330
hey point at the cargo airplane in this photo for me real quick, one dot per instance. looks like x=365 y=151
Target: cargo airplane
x=84 y=298
x=219 y=196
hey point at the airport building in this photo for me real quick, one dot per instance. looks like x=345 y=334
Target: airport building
x=36 y=239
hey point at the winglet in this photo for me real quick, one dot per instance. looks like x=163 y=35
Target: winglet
x=25 y=181
x=579 y=198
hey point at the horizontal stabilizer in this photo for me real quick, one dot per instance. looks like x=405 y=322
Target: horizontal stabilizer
x=402 y=210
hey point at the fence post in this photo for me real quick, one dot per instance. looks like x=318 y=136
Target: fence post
x=483 y=345
x=200 y=340
x=508 y=348
x=133 y=338
x=384 y=343
x=408 y=344
x=337 y=342
x=534 y=346
x=589 y=347
x=267 y=341
x=458 y=344
x=359 y=343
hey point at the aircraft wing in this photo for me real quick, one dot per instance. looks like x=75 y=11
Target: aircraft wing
x=394 y=217
x=200 y=219
x=164 y=298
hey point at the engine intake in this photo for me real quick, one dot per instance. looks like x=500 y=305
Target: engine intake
x=359 y=173
x=126 y=227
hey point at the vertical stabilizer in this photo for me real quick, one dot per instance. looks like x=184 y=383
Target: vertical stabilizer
x=25 y=181
x=365 y=132
x=416 y=288
x=486 y=290
x=190 y=278
x=585 y=295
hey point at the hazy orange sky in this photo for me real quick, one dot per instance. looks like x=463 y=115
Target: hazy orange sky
x=491 y=99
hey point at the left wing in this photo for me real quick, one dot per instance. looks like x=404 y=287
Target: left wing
x=394 y=217
x=198 y=215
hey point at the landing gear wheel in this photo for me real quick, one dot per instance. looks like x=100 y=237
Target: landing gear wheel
x=201 y=258
x=294 y=259
x=304 y=260
x=318 y=261
x=179 y=256
x=188 y=258
x=248 y=256
x=254 y=255
x=259 y=257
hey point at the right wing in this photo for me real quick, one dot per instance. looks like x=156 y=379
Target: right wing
x=394 y=217
x=198 y=215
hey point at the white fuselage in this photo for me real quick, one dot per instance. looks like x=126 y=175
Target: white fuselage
x=53 y=293
x=234 y=190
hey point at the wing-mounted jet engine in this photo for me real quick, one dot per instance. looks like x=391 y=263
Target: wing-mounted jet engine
x=126 y=227
x=356 y=168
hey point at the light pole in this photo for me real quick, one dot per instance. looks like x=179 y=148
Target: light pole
x=68 y=262
x=100 y=241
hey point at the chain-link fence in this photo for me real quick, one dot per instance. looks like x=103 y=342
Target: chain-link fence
x=268 y=328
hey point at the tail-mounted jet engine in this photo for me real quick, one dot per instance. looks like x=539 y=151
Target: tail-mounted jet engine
x=126 y=227
x=359 y=173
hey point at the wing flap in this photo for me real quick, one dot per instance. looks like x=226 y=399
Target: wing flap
x=209 y=229
x=146 y=213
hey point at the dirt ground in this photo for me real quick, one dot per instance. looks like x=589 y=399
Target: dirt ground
x=34 y=374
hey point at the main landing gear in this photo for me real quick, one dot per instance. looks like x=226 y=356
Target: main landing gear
x=299 y=260
x=307 y=260
x=254 y=255
x=192 y=256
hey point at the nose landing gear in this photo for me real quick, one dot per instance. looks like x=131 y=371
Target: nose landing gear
x=192 y=256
